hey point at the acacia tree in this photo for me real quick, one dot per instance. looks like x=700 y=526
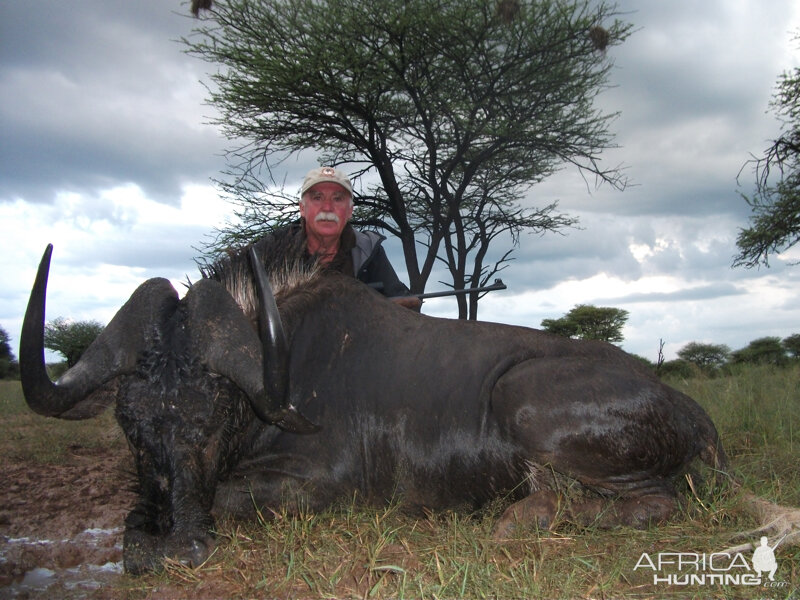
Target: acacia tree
x=765 y=350
x=589 y=322
x=70 y=338
x=775 y=204
x=445 y=111
x=8 y=362
x=792 y=345
x=708 y=357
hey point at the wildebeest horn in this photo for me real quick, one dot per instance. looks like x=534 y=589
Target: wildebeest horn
x=275 y=357
x=85 y=389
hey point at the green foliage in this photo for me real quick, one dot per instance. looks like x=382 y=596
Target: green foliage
x=709 y=357
x=446 y=110
x=775 y=222
x=678 y=368
x=792 y=345
x=8 y=362
x=756 y=410
x=763 y=351
x=589 y=322
x=70 y=338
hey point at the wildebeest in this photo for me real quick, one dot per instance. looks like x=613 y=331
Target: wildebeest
x=344 y=393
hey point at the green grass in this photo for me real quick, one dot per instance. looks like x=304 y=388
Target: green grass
x=26 y=436
x=367 y=553
x=757 y=413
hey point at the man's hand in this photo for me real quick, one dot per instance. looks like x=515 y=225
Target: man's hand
x=411 y=302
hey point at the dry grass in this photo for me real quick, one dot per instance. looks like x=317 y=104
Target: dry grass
x=360 y=553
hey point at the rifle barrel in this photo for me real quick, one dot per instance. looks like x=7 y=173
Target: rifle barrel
x=497 y=285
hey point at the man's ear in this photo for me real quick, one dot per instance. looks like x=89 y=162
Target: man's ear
x=302 y=206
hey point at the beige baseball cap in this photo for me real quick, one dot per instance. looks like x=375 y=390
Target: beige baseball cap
x=323 y=174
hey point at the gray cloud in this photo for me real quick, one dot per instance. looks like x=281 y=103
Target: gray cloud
x=97 y=95
x=704 y=292
x=105 y=100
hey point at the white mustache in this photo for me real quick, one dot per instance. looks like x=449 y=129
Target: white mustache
x=327 y=216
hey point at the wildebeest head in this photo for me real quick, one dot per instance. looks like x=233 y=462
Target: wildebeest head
x=185 y=375
x=220 y=338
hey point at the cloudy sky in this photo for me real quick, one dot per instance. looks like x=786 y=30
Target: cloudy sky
x=105 y=151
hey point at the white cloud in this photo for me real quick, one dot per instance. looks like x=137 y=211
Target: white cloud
x=107 y=155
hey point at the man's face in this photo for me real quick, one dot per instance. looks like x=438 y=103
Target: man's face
x=326 y=208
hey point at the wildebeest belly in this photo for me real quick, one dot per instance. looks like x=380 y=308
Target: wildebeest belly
x=376 y=461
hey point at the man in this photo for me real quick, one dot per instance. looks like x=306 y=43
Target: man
x=324 y=234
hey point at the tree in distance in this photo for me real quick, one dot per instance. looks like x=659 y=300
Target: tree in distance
x=70 y=338
x=8 y=362
x=708 y=357
x=445 y=112
x=763 y=351
x=589 y=322
x=792 y=345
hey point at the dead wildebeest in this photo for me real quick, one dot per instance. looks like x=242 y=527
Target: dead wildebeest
x=433 y=413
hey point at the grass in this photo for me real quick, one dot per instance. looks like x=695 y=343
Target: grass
x=355 y=552
x=757 y=413
x=26 y=436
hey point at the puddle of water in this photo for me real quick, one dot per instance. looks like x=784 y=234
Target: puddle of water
x=36 y=581
x=85 y=577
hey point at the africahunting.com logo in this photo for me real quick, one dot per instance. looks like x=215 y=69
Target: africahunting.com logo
x=716 y=568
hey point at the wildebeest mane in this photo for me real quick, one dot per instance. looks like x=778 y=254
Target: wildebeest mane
x=281 y=255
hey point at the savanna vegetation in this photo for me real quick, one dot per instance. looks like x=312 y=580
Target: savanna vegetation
x=70 y=338
x=384 y=553
x=696 y=358
x=9 y=367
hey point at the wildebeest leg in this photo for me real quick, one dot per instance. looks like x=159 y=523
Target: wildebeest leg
x=538 y=509
x=605 y=424
x=638 y=512
x=277 y=482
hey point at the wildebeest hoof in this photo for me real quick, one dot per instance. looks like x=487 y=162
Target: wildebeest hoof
x=142 y=552
x=191 y=551
x=637 y=512
x=537 y=509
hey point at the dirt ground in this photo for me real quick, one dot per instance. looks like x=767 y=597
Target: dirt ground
x=61 y=525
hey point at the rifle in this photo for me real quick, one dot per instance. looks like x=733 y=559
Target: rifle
x=497 y=285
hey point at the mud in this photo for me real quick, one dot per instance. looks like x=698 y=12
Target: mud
x=61 y=525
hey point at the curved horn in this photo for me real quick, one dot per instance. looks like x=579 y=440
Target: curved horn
x=82 y=392
x=275 y=361
x=273 y=338
x=228 y=345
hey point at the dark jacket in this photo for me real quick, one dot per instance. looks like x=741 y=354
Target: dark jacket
x=360 y=255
